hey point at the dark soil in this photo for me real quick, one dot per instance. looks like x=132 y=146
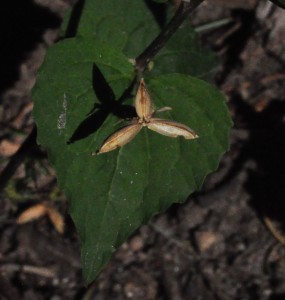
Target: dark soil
x=226 y=242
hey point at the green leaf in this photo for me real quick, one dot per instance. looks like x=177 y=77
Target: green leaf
x=280 y=3
x=184 y=54
x=112 y=194
x=77 y=105
x=113 y=21
x=133 y=32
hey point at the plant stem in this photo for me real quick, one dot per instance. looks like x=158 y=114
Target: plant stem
x=183 y=11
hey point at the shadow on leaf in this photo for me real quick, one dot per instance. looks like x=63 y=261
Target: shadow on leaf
x=107 y=104
x=159 y=11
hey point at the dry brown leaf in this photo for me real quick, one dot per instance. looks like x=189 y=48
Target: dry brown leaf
x=8 y=148
x=56 y=219
x=32 y=213
x=40 y=210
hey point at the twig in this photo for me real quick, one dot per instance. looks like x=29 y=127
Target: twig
x=17 y=158
x=279 y=236
x=183 y=11
x=36 y=270
x=187 y=249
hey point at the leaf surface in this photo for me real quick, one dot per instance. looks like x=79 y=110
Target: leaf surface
x=133 y=31
x=113 y=193
x=84 y=89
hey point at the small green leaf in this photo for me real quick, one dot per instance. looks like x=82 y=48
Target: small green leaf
x=280 y=3
x=113 y=21
x=133 y=32
x=184 y=54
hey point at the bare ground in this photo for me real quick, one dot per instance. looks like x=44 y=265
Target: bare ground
x=226 y=242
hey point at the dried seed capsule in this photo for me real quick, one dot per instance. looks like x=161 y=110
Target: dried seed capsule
x=143 y=102
x=171 y=128
x=145 y=111
x=120 y=138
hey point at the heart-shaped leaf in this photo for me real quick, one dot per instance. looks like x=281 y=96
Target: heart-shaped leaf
x=112 y=194
x=83 y=89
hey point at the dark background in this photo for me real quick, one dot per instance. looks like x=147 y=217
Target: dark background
x=226 y=242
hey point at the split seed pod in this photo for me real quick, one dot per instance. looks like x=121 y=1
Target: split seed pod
x=143 y=103
x=171 y=128
x=145 y=110
x=120 y=137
